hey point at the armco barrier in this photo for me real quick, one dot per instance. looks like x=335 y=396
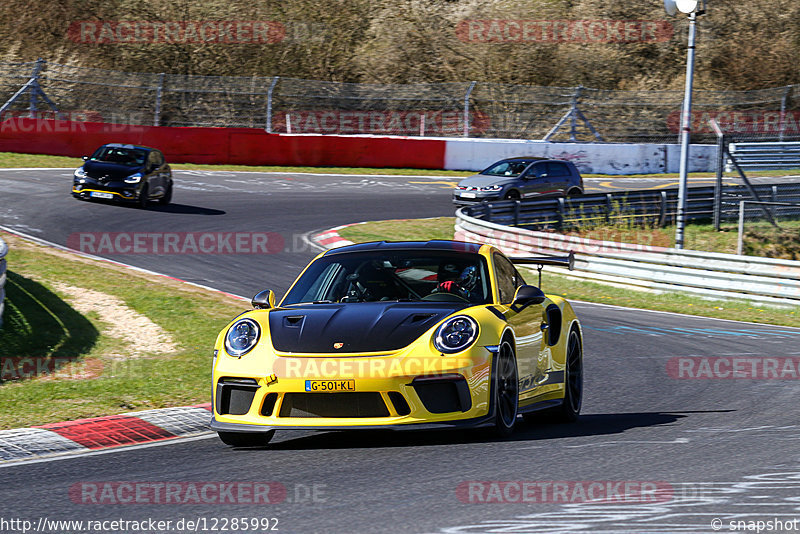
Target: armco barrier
x=254 y=146
x=658 y=207
x=706 y=274
x=3 y=252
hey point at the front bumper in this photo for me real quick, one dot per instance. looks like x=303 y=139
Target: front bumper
x=460 y=200
x=383 y=392
x=119 y=191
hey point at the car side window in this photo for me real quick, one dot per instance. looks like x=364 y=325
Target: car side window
x=557 y=169
x=538 y=170
x=508 y=279
x=159 y=158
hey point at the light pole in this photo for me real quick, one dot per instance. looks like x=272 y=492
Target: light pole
x=689 y=7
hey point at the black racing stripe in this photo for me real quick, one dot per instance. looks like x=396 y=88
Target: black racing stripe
x=497 y=312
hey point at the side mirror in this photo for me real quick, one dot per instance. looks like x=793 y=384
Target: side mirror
x=85 y=158
x=527 y=295
x=264 y=300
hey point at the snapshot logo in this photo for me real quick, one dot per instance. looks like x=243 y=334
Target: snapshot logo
x=564 y=492
x=733 y=367
x=762 y=122
x=176 y=32
x=378 y=122
x=167 y=243
x=177 y=493
x=564 y=31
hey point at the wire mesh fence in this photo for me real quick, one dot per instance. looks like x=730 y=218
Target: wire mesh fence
x=473 y=109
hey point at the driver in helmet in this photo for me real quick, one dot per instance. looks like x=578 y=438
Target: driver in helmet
x=457 y=280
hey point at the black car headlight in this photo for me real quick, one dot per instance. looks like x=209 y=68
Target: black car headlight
x=134 y=178
x=492 y=188
x=455 y=334
x=241 y=337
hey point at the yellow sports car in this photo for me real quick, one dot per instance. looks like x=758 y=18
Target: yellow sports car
x=399 y=335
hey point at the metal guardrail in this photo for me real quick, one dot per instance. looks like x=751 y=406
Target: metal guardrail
x=710 y=275
x=656 y=207
x=3 y=252
x=764 y=156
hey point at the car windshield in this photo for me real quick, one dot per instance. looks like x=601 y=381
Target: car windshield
x=399 y=275
x=130 y=157
x=507 y=168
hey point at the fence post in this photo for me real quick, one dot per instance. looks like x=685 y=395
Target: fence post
x=740 y=238
x=466 y=108
x=516 y=212
x=784 y=99
x=573 y=123
x=269 y=103
x=33 y=94
x=720 y=163
x=662 y=217
x=560 y=213
x=159 y=90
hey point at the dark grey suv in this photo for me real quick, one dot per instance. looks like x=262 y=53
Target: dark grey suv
x=522 y=177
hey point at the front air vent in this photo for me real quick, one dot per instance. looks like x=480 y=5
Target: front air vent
x=355 y=404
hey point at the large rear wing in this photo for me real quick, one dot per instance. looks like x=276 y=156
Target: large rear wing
x=540 y=261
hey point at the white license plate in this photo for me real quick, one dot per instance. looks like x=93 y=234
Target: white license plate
x=98 y=194
x=468 y=195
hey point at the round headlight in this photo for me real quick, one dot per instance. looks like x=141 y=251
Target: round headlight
x=242 y=336
x=456 y=334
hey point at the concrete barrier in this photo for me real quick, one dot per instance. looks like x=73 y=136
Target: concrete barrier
x=253 y=146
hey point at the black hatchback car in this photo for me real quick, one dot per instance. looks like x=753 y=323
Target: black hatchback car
x=517 y=178
x=127 y=173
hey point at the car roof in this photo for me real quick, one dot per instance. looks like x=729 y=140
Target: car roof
x=434 y=245
x=524 y=158
x=127 y=145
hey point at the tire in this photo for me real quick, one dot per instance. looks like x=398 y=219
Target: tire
x=573 y=382
x=167 y=198
x=574 y=192
x=144 y=197
x=506 y=390
x=246 y=439
x=512 y=195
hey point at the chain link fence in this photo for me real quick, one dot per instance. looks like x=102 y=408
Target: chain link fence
x=471 y=109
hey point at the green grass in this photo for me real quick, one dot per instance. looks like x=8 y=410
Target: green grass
x=39 y=323
x=442 y=228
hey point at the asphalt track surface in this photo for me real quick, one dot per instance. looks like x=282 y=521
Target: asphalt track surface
x=715 y=447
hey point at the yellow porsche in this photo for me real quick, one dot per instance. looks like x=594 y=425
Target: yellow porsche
x=399 y=335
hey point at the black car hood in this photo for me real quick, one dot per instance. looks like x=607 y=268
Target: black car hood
x=115 y=171
x=359 y=327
